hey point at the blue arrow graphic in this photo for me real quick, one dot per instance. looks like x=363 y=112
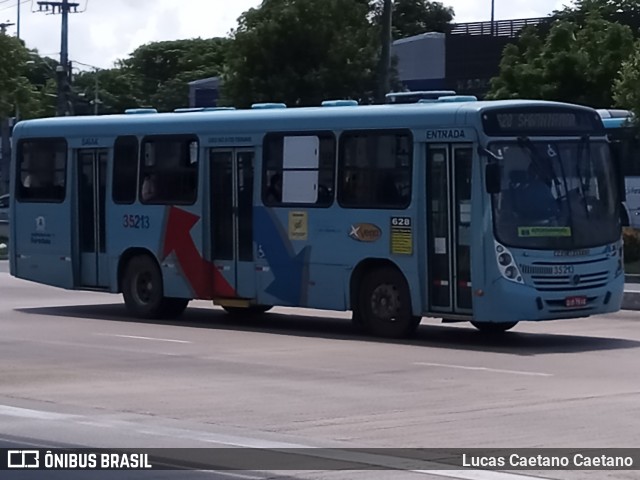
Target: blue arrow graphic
x=290 y=270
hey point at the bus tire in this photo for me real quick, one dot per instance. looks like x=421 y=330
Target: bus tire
x=250 y=310
x=493 y=328
x=384 y=304
x=174 y=307
x=143 y=291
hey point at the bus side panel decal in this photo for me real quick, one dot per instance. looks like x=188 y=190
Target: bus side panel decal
x=198 y=271
x=290 y=270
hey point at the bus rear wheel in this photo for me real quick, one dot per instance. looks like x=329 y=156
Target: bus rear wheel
x=384 y=304
x=491 y=327
x=143 y=291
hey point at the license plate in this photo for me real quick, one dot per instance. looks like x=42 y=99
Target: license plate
x=575 y=301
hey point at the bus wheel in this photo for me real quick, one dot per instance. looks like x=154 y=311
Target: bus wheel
x=491 y=327
x=173 y=307
x=143 y=291
x=384 y=304
x=250 y=310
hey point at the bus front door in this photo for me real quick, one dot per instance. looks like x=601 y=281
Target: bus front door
x=91 y=171
x=231 y=188
x=449 y=229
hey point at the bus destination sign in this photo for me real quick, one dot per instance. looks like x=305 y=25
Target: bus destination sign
x=548 y=121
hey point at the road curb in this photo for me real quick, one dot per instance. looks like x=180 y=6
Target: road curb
x=631 y=301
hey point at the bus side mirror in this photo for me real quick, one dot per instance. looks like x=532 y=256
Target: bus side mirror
x=492 y=178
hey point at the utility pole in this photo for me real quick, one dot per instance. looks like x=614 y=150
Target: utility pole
x=385 y=51
x=493 y=16
x=5 y=138
x=18 y=20
x=63 y=7
x=96 y=98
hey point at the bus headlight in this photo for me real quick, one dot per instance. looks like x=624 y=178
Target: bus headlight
x=507 y=265
x=511 y=272
x=505 y=259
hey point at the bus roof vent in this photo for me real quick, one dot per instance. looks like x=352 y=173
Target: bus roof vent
x=137 y=111
x=188 y=110
x=340 y=103
x=201 y=109
x=457 y=98
x=415 y=97
x=267 y=106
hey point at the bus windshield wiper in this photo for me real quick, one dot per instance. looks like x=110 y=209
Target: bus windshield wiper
x=584 y=185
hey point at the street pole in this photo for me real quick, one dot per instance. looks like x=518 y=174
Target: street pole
x=18 y=20
x=385 y=51
x=62 y=71
x=492 y=17
x=96 y=98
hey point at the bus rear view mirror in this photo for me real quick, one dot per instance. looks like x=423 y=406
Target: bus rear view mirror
x=492 y=178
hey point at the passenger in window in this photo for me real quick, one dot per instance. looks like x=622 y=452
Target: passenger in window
x=149 y=187
x=274 y=191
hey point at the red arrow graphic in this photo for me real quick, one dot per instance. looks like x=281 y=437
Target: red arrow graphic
x=203 y=276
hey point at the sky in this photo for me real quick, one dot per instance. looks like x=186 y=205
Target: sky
x=104 y=31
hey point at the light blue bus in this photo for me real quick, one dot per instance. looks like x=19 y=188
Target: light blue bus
x=625 y=145
x=489 y=212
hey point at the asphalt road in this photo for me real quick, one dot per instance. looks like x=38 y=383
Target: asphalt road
x=75 y=370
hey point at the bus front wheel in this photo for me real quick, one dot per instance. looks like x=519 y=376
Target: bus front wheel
x=384 y=304
x=143 y=291
x=491 y=327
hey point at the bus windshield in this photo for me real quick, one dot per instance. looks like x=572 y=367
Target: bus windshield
x=558 y=194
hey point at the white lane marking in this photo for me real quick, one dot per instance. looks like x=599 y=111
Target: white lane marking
x=335 y=453
x=477 y=475
x=143 y=338
x=8 y=411
x=484 y=369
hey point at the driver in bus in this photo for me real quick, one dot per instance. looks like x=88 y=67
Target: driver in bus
x=531 y=195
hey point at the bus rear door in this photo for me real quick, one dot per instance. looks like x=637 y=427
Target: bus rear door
x=449 y=228
x=231 y=187
x=91 y=170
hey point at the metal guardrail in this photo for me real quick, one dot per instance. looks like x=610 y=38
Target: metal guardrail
x=501 y=28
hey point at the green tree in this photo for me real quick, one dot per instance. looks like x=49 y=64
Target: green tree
x=118 y=89
x=160 y=71
x=626 y=93
x=302 y=52
x=154 y=75
x=626 y=12
x=15 y=88
x=574 y=63
x=413 y=17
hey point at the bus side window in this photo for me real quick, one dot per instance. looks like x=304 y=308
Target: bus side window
x=299 y=169
x=42 y=165
x=169 y=169
x=375 y=169
x=125 y=170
